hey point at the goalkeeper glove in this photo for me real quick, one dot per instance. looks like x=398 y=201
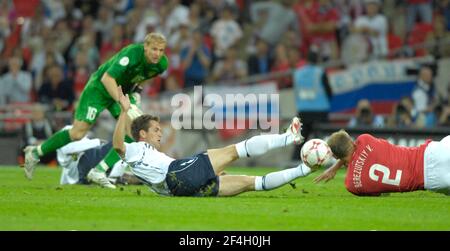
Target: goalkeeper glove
x=134 y=112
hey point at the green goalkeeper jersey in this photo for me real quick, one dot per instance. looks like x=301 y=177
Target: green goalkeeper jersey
x=129 y=67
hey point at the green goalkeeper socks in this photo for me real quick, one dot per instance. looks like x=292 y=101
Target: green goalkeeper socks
x=111 y=158
x=56 y=141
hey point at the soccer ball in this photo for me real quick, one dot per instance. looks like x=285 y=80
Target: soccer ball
x=315 y=153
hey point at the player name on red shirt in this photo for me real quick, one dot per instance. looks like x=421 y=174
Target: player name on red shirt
x=378 y=166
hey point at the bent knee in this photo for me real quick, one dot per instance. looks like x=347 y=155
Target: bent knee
x=77 y=133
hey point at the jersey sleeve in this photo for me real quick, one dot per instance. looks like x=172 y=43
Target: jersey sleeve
x=80 y=146
x=133 y=152
x=125 y=60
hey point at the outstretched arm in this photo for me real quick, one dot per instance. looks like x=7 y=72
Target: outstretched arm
x=329 y=174
x=119 y=131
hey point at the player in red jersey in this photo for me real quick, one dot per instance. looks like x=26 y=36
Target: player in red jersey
x=376 y=166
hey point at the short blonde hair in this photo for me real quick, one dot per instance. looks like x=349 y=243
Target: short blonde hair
x=155 y=37
x=341 y=144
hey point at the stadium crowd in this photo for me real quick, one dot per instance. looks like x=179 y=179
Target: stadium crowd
x=49 y=48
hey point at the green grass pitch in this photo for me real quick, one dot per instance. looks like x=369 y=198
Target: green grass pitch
x=42 y=204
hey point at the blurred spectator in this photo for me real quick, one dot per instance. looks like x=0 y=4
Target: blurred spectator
x=88 y=7
x=364 y=116
x=104 y=22
x=395 y=13
x=5 y=23
x=312 y=91
x=207 y=16
x=80 y=73
x=303 y=10
x=432 y=118
x=54 y=9
x=180 y=37
x=177 y=14
x=141 y=20
x=23 y=54
x=195 y=21
x=218 y=5
x=349 y=10
x=292 y=40
x=445 y=98
x=226 y=32
x=86 y=43
x=312 y=95
x=281 y=63
x=116 y=42
x=418 y=8
x=400 y=117
x=195 y=60
x=171 y=84
x=73 y=15
x=229 y=68
x=88 y=29
x=295 y=59
x=443 y=8
x=374 y=26
x=15 y=84
x=179 y=40
x=63 y=35
x=265 y=13
x=355 y=49
x=439 y=38
x=121 y=6
x=324 y=18
x=34 y=27
x=444 y=116
x=405 y=115
x=419 y=118
x=441 y=113
x=57 y=91
x=423 y=94
x=259 y=62
x=37 y=130
x=44 y=58
x=147 y=25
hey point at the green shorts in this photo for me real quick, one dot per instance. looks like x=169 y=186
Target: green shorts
x=93 y=100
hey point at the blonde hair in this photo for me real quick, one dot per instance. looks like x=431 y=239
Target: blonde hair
x=341 y=144
x=155 y=37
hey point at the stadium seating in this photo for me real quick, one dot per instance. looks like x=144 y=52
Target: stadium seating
x=417 y=37
x=395 y=42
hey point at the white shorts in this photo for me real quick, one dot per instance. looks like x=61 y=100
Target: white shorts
x=437 y=166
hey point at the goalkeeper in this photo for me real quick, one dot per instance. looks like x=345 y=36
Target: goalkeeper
x=128 y=69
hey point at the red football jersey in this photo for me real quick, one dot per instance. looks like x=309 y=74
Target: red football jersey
x=378 y=166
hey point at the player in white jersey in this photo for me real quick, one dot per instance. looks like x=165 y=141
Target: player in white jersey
x=79 y=157
x=199 y=174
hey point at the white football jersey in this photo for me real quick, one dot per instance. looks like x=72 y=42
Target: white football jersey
x=148 y=164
